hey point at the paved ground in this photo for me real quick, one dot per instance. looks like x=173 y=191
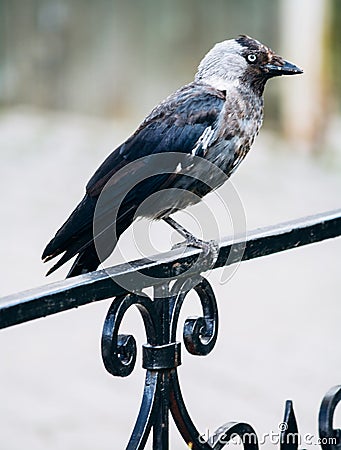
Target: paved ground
x=279 y=315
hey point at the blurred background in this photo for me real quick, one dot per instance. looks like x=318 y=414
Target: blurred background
x=76 y=78
x=99 y=58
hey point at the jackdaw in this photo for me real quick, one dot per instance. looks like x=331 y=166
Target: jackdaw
x=210 y=122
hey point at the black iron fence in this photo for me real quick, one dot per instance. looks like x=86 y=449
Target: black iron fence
x=172 y=275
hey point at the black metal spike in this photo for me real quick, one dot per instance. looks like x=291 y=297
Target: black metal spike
x=290 y=437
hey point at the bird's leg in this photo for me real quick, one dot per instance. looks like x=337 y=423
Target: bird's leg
x=209 y=247
x=190 y=239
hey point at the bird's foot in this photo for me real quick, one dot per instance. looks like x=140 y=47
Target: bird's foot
x=210 y=249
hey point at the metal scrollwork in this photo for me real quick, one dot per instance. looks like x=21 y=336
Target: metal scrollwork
x=200 y=333
x=119 y=350
x=330 y=438
x=162 y=355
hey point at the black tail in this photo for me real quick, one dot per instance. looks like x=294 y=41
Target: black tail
x=74 y=232
x=86 y=261
x=76 y=237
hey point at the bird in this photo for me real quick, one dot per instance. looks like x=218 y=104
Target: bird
x=210 y=122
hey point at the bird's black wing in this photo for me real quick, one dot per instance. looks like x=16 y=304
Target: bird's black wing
x=173 y=126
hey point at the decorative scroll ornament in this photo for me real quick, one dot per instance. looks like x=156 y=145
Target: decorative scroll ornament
x=162 y=355
x=330 y=438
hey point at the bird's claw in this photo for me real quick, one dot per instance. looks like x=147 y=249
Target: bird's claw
x=211 y=252
x=210 y=249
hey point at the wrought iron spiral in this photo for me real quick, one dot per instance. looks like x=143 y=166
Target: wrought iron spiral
x=119 y=350
x=330 y=437
x=161 y=357
x=200 y=333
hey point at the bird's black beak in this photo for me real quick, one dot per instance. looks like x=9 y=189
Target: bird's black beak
x=281 y=67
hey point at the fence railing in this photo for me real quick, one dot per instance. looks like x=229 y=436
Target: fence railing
x=172 y=275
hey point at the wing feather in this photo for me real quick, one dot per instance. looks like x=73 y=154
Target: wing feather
x=174 y=126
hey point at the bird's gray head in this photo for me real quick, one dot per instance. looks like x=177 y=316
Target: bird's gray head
x=242 y=60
